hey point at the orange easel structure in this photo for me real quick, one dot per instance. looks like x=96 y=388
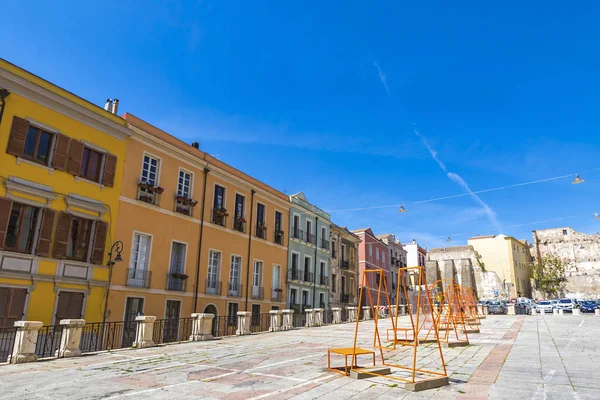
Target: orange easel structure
x=423 y=308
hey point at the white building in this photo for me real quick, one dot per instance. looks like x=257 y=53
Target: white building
x=415 y=254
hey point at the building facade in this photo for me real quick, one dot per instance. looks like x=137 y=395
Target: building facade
x=61 y=163
x=415 y=254
x=397 y=257
x=372 y=254
x=344 y=267
x=583 y=252
x=509 y=258
x=309 y=258
x=200 y=236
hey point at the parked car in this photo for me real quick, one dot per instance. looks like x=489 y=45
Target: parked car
x=545 y=306
x=566 y=304
x=588 y=306
x=496 y=307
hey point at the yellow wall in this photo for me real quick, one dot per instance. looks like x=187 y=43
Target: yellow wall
x=165 y=226
x=42 y=298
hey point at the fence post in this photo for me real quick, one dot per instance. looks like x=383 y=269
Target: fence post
x=352 y=314
x=318 y=316
x=309 y=317
x=576 y=311
x=243 y=323
x=393 y=311
x=202 y=327
x=71 y=338
x=366 y=312
x=337 y=315
x=25 y=342
x=143 y=333
x=288 y=320
x=275 y=320
x=511 y=309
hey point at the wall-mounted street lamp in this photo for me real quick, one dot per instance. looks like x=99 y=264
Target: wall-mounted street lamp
x=117 y=248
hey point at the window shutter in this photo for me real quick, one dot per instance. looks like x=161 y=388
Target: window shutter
x=17 y=306
x=45 y=236
x=61 y=152
x=5 y=207
x=75 y=158
x=110 y=167
x=62 y=307
x=76 y=306
x=99 y=242
x=62 y=235
x=18 y=134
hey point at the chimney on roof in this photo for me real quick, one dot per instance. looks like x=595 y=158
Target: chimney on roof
x=108 y=105
x=115 y=106
x=414 y=241
x=196 y=145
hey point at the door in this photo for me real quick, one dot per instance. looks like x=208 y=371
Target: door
x=69 y=306
x=304 y=299
x=176 y=269
x=133 y=308
x=138 y=266
x=276 y=277
x=255 y=314
x=171 y=326
x=296 y=227
x=257 y=279
x=12 y=306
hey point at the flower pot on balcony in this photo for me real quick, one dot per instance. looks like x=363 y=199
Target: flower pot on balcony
x=143 y=185
x=178 y=275
x=159 y=190
x=193 y=203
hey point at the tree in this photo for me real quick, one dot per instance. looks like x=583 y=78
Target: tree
x=548 y=273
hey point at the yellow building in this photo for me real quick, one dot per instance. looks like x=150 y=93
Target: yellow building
x=199 y=235
x=61 y=161
x=509 y=258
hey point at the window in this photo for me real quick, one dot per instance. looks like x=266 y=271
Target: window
x=370 y=252
x=260 y=221
x=12 y=306
x=296 y=228
x=184 y=184
x=322 y=300
x=239 y=222
x=91 y=164
x=37 y=145
x=309 y=234
x=293 y=296
x=214 y=265
x=150 y=170
x=322 y=277
x=255 y=314
x=219 y=200
x=21 y=228
x=344 y=252
x=69 y=306
x=138 y=266
x=276 y=277
x=377 y=254
x=307 y=274
x=351 y=284
x=333 y=283
x=304 y=298
x=564 y=232
x=343 y=288
x=278 y=228
x=79 y=239
x=257 y=290
x=383 y=258
x=234 y=275
x=176 y=278
x=133 y=307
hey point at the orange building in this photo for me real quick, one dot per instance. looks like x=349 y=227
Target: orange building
x=199 y=235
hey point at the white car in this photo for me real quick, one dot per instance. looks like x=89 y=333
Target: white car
x=566 y=304
x=545 y=306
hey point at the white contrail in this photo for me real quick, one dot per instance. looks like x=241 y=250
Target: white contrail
x=383 y=78
x=431 y=151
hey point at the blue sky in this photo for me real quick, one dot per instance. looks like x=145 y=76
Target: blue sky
x=293 y=93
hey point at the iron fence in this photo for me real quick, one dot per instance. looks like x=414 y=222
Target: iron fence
x=171 y=330
x=299 y=320
x=260 y=322
x=48 y=341
x=225 y=325
x=99 y=336
x=344 y=314
x=7 y=342
x=328 y=317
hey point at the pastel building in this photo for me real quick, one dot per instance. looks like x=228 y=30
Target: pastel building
x=344 y=267
x=397 y=257
x=372 y=254
x=309 y=257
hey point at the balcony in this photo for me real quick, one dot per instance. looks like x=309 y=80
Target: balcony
x=310 y=238
x=333 y=253
x=297 y=234
x=323 y=280
x=176 y=281
x=277 y=294
x=261 y=231
x=184 y=205
x=278 y=234
x=345 y=264
x=239 y=224
x=148 y=193
x=295 y=274
x=393 y=260
x=219 y=216
x=257 y=292
x=235 y=290
x=307 y=277
x=325 y=244
x=345 y=298
x=138 y=277
x=213 y=287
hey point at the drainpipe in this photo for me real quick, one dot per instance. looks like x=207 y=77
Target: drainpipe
x=315 y=268
x=3 y=95
x=206 y=171
x=249 y=246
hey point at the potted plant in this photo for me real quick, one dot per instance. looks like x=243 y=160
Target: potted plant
x=263 y=227
x=178 y=275
x=159 y=190
x=143 y=185
x=193 y=203
x=146 y=198
x=279 y=233
x=279 y=290
x=150 y=189
x=222 y=212
x=180 y=198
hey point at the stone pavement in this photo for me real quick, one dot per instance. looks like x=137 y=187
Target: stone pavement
x=514 y=357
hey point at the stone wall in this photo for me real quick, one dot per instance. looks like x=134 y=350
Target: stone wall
x=583 y=250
